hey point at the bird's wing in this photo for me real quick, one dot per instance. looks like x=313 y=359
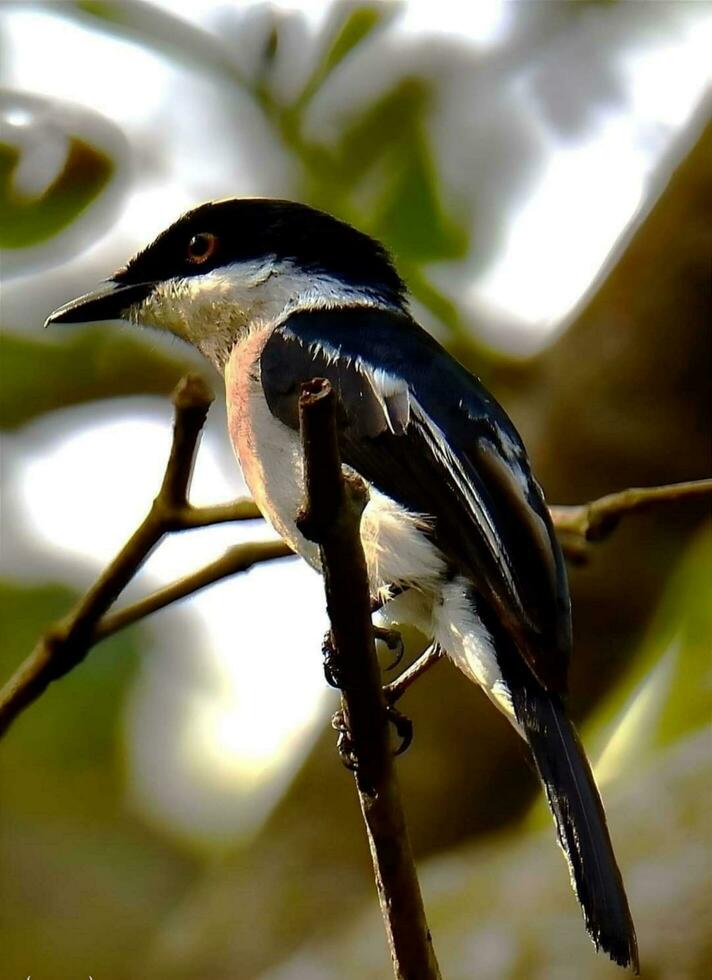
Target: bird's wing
x=421 y=429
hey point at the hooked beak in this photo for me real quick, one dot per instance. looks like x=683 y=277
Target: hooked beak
x=110 y=301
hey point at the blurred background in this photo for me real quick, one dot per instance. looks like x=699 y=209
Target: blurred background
x=542 y=171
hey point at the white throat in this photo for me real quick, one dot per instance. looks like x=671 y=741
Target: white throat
x=213 y=311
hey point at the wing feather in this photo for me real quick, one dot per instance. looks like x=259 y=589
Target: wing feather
x=425 y=432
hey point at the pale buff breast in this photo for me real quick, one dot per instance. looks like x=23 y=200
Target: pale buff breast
x=268 y=451
x=396 y=549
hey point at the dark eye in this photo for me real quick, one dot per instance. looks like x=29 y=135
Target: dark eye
x=202 y=247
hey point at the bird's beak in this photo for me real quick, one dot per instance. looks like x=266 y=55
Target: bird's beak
x=110 y=301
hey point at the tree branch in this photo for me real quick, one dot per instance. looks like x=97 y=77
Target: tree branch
x=67 y=643
x=582 y=524
x=331 y=517
x=238 y=559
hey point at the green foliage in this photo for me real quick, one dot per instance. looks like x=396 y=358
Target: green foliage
x=70 y=733
x=25 y=222
x=351 y=29
x=687 y=707
x=410 y=217
x=666 y=695
x=84 y=885
x=41 y=375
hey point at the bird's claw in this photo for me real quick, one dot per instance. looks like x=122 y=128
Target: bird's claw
x=394 y=642
x=403 y=727
x=331 y=669
x=390 y=637
x=344 y=743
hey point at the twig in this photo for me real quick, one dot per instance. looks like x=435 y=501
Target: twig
x=331 y=518
x=579 y=525
x=240 y=558
x=67 y=643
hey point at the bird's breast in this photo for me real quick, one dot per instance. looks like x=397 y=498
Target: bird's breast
x=268 y=451
x=397 y=547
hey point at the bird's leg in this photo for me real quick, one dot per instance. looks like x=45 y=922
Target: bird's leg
x=395 y=690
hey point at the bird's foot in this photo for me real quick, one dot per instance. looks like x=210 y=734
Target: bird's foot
x=344 y=742
x=390 y=637
x=403 y=727
x=394 y=642
x=330 y=659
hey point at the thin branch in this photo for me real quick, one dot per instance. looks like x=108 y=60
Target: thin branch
x=236 y=510
x=331 y=518
x=240 y=558
x=67 y=643
x=582 y=524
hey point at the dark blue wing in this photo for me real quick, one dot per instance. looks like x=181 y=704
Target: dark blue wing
x=425 y=432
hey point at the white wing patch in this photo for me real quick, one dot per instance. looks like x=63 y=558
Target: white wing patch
x=390 y=390
x=393 y=395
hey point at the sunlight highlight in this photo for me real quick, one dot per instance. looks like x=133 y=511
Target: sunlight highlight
x=252 y=651
x=546 y=264
x=588 y=192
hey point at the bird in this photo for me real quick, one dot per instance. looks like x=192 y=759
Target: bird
x=457 y=536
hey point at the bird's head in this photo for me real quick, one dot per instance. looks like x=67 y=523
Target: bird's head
x=229 y=265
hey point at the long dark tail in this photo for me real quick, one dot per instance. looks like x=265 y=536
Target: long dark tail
x=580 y=822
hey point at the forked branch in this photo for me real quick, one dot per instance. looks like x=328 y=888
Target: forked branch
x=579 y=525
x=68 y=642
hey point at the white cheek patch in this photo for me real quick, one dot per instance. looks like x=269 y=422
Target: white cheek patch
x=214 y=310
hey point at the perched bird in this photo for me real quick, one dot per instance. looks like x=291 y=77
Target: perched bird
x=457 y=537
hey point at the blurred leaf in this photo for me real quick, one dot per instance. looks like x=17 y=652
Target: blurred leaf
x=411 y=218
x=504 y=908
x=351 y=27
x=689 y=701
x=84 y=884
x=388 y=121
x=154 y=27
x=42 y=375
x=71 y=729
x=24 y=221
x=667 y=693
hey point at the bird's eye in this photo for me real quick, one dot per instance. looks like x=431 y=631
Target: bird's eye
x=201 y=247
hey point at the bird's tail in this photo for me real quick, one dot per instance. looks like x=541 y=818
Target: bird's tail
x=580 y=822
